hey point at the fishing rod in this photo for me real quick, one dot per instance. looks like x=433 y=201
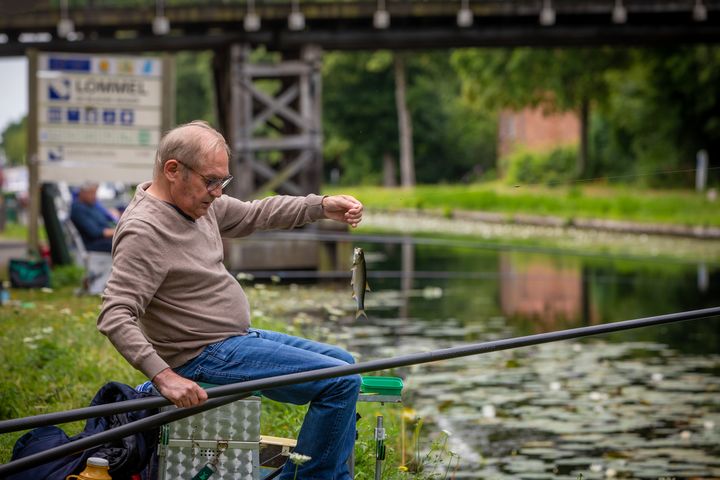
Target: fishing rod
x=225 y=391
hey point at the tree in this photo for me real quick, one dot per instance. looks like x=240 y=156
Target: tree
x=452 y=140
x=663 y=110
x=14 y=142
x=407 y=159
x=554 y=79
x=194 y=89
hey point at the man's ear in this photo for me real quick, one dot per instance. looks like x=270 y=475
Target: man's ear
x=171 y=170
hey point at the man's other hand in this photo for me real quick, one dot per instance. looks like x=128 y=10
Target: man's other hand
x=179 y=390
x=343 y=208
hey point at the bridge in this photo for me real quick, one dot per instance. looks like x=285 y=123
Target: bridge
x=167 y=25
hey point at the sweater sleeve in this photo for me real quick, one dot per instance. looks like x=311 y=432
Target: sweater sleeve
x=237 y=218
x=137 y=272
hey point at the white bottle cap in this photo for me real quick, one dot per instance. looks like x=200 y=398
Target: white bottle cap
x=98 y=462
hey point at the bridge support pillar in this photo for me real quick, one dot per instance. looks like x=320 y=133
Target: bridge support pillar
x=271 y=116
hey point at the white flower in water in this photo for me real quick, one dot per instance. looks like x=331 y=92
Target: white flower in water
x=577 y=348
x=488 y=411
x=685 y=434
x=47 y=330
x=611 y=473
x=657 y=377
x=447 y=433
x=299 y=458
x=709 y=424
x=595 y=396
x=596 y=467
x=555 y=386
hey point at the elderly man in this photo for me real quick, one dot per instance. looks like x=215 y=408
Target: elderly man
x=175 y=313
x=91 y=221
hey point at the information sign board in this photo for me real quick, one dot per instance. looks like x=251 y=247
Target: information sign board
x=99 y=117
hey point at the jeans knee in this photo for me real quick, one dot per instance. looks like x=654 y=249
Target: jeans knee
x=352 y=383
x=344 y=356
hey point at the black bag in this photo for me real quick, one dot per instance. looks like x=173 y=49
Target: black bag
x=26 y=273
x=130 y=455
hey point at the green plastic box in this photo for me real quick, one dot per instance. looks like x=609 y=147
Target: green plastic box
x=382 y=385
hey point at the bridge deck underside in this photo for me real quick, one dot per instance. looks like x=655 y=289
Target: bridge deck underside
x=102 y=26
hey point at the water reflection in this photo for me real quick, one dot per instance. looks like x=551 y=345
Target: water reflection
x=637 y=404
x=642 y=403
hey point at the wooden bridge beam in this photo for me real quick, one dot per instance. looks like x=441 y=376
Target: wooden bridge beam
x=293 y=110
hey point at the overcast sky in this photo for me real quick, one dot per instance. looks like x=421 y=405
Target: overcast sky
x=13 y=90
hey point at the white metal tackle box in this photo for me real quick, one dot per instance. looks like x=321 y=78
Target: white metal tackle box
x=228 y=436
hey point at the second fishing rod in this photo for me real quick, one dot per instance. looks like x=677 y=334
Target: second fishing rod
x=370 y=366
x=223 y=394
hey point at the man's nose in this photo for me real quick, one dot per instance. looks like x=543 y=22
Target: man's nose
x=216 y=192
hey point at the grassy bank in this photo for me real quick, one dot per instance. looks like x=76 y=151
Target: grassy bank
x=55 y=359
x=679 y=207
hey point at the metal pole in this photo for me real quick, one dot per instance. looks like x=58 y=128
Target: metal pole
x=379 y=447
x=226 y=391
x=371 y=366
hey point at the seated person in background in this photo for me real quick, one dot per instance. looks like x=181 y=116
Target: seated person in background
x=92 y=221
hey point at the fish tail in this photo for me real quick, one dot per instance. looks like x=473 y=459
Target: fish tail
x=361 y=313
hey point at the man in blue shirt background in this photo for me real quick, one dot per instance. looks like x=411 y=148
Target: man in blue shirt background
x=91 y=220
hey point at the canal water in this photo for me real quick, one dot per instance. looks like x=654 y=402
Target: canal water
x=637 y=404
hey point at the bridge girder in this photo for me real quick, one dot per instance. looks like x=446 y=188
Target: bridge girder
x=349 y=25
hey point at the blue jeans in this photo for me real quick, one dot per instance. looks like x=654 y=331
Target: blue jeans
x=328 y=431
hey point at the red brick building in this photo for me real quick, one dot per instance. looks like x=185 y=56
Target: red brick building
x=533 y=129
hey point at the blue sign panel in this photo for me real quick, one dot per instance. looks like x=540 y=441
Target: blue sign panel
x=59 y=89
x=127 y=117
x=73 y=115
x=54 y=115
x=109 y=117
x=70 y=64
x=55 y=154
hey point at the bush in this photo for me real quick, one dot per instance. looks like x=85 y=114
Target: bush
x=66 y=276
x=551 y=168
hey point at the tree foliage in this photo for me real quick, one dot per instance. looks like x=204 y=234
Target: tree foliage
x=652 y=109
x=660 y=112
x=194 y=93
x=451 y=138
x=14 y=142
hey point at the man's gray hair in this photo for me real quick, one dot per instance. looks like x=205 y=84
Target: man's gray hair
x=189 y=143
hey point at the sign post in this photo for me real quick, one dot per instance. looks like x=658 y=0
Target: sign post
x=94 y=118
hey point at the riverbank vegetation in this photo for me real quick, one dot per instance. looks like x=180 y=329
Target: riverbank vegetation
x=679 y=207
x=55 y=360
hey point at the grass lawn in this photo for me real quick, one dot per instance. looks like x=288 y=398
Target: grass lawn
x=682 y=207
x=55 y=359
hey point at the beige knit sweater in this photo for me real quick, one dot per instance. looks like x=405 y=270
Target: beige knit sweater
x=169 y=294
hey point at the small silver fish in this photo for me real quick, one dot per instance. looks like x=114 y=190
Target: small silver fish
x=359 y=281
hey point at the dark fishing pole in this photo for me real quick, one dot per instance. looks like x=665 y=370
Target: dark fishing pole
x=302 y=377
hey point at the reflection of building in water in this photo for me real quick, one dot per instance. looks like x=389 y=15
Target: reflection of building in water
x=550 y=292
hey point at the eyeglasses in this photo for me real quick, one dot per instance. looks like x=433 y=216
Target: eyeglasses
x=210 y=183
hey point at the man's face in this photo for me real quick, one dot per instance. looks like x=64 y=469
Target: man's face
x=190 y=192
